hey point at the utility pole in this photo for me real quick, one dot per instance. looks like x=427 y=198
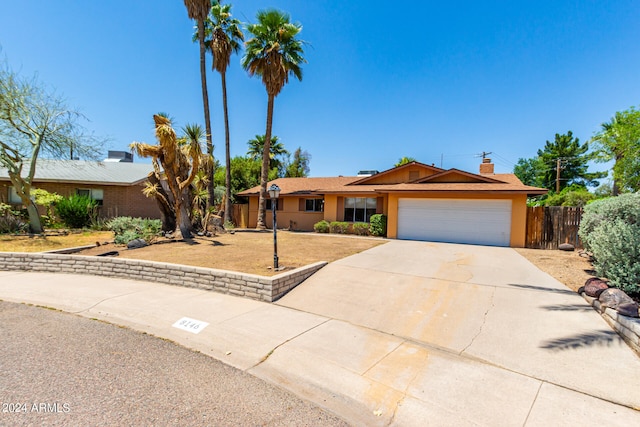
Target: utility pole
x=558 y=167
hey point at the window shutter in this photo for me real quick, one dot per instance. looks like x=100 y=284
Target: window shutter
x=302 y=204
x=380 y=205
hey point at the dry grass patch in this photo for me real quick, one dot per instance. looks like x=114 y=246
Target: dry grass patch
x=248 y=252
x=37 y=243
x=570 y=268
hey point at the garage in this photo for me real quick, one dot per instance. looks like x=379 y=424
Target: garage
x=478 y=222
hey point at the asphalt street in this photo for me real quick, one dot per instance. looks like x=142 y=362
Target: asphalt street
x=63 y=369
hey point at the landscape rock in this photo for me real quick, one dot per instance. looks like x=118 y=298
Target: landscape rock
x=137 y=243
x=215 y=224
x=619 y=301
x=566 y=247
x=629 y=309
x=594 y=287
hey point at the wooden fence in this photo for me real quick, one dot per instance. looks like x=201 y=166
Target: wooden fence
x=550 y=226
x=240 y=215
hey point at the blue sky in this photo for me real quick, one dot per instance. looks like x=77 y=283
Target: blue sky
x=437 y=81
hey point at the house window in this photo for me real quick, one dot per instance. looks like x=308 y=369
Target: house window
x=314 y=205
x=14 y=199
x=359 y=209
x=96 y=194
x=278 y=205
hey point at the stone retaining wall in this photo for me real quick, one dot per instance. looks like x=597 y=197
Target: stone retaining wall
x=262 y=288
x=627 y=327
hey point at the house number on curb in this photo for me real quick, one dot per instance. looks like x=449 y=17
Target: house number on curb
x=190 y=325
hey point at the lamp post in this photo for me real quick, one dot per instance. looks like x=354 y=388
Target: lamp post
x=274 y=193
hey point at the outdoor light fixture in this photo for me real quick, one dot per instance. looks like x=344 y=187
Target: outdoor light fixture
x=274 y=193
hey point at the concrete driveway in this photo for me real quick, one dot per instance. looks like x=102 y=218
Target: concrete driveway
x=477 y=335
x=404 y=334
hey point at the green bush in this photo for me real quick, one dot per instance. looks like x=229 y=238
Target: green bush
x=127 y=229
x=321 y=227
x=76 y=211
x=361 y=228
x=10 y=220
x=378 y=225
x=625 y=207
x=610 y=230
x=339 y=227
x=48 y=201
x=570 y=196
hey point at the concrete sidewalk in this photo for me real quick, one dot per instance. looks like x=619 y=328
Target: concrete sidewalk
x=458 y=340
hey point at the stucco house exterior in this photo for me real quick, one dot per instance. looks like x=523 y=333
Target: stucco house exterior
x=421 y=202
x=116 y=186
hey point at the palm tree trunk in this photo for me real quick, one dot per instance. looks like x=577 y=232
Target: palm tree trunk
x=207 y=117
x=266 y=161
x=227 y=151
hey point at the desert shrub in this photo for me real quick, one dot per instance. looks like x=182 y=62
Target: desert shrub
x=127 y=229
x=339 y=227
x=10 y=220
x=99 y=224
x=378 y=225
x=615 y=247
x=321 y=227
x=610 y=230
x=48 y=201
x=361 y=228
x=76 y=211
x=625 y=207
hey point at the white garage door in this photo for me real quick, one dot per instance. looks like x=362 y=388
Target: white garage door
x=479 y=222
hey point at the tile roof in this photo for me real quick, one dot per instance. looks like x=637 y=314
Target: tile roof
x=79 y=171
x=292 y=186
x=505 y=183
x=452 y=174
x=375 y=177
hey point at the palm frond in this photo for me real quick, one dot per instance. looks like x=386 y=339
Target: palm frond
x=274 y=52
x=197 y=9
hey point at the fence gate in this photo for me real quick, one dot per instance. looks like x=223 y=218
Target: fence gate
x=550 y=226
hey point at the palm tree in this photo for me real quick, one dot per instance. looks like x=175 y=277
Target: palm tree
x=199 y=10
x=276 y=149
x=223 y=39
x=404 y=161
x=273 y=53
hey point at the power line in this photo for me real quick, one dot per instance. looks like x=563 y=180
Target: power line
x=503 y=159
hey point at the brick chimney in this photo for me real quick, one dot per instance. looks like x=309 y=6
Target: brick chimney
x=486 y=167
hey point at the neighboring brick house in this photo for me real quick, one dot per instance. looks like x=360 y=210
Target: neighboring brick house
x=116 y=186
x=421 y=202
